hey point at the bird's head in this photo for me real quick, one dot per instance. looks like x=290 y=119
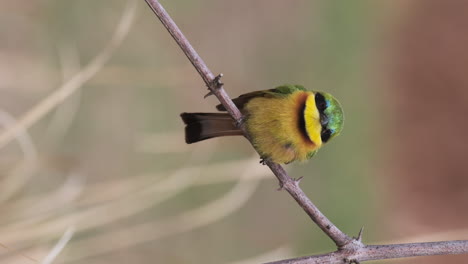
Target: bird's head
x=331 y=115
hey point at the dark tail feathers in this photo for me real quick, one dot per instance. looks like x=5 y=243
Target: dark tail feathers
x=201 y=126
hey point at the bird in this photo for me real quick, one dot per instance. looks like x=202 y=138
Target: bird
x=285 y=124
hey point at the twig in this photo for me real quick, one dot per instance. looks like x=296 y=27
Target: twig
x=350 y=250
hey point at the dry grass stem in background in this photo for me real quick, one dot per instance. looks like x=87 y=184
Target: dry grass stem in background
x=98 y=215
x=59 y=246
x=350 y=250
x=20 y=174
x=184 y=222
x=148 y=231
x=65 y=113
x=135 y=198
x=68 y=88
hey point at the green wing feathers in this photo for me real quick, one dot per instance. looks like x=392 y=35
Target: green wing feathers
x=276 y=92
x=288 y=89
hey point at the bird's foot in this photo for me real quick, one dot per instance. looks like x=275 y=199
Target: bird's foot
x=264 y=160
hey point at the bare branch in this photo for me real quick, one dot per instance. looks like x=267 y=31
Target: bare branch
x=350 y=250
x=216 y=88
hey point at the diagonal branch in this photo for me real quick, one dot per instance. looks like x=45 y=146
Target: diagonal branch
x=350 y=250
x=290 y=185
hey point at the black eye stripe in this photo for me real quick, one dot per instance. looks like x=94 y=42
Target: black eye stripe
x=325 y=135
x=301 y=122
x=320 y=102
x=321 y=105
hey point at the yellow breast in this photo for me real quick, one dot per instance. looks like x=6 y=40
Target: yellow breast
x=284 y=129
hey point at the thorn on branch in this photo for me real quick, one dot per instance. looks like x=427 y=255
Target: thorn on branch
x=215 y=84
x=298 y=180
x=291 y=180
x=217 y=81
x=208 y=94
x=359 y=238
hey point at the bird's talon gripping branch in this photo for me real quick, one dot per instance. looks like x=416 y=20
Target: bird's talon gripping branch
x=263 y=161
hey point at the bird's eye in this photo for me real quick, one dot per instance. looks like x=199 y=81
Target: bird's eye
x=320 y=102
x=323 y=120
x=326 y=134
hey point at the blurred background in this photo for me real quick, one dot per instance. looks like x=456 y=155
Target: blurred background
x=94 y=168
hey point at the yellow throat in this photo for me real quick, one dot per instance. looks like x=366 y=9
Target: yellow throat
x=312 y=120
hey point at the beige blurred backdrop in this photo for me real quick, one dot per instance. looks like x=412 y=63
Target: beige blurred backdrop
x=101 y=174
